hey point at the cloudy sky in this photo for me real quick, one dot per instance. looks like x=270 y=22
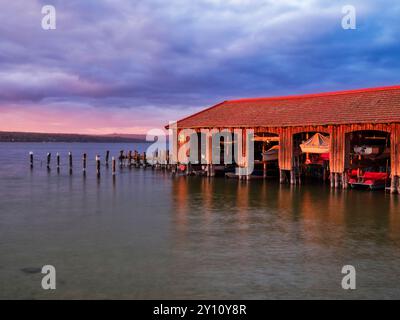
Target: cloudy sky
x=127 y=66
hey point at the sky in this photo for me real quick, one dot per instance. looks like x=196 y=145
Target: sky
x=119 y=66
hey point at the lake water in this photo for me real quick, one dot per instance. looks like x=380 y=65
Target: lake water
x=147 y=235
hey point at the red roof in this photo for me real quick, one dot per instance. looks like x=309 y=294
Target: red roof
x=373 y=105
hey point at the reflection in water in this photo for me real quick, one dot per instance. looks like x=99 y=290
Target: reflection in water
x=284 y=237
x=147 y=235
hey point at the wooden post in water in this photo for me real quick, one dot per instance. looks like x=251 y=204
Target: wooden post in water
x=121 y=158
x=113 y=166
x=70 y=162
x=130 y=158
x=58 y=162
x=398 y=184
x=98 y=166
x=337 y=180
x=136 y=158
x=31 y=158
x=84 y=162
x=345 y=180
x=144 y=160
x=48 y=160
x=188 y=168
x=107 y=157
x=393 y=185
x=281 y=176
x=332 y=180
x=167 y=159
x=292 y=176
x=264 y=169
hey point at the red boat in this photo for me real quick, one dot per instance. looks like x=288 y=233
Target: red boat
x=370 y=180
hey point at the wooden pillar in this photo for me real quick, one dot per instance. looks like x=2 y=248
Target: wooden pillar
x=31 y=158
x=337 y=180
x=121 y=158
x=84 y=161
x=398 y=184
x=394 y=184
x=167 y=159
x=130 y=158
x=282 y=176
x=70 y=162
x=395 y=157
x=48 y=160
x=264 y=169
x=144 y=160
x=107 y=157
x=58 y=160
x=285 y=157
x=113 y=165
x=98 y=166
x=292 y=176
x=345 y=180
x=209 y=155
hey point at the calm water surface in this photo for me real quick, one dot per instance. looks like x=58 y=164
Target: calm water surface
x=147 y=235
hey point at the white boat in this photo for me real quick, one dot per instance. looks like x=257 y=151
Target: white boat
x=366 y=150
x=271 y=154
x=316 y=144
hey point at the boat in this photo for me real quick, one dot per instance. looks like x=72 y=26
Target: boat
x=316 y=144
x=369 y=180
x=367 y=150
x=271 y=154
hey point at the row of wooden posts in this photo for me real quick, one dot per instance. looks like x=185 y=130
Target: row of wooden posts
x=131 y=159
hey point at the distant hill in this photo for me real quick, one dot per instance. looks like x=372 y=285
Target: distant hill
x=64 y=137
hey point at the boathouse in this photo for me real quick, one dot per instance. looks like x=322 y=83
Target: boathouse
x=363 y=128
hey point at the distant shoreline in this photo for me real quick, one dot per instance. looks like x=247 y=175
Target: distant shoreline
x=6 y=136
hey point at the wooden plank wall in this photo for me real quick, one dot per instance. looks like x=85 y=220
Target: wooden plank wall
x=395 y=149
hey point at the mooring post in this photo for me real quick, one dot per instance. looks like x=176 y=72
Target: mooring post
x=136 y=158
x=98 y=165
x=113 y=166
x=58 y=162
x=167 y=159
x=70 y=162
x=121 y=158
x=130 y=158
x=31 y=158
x=153 y=160
x=84 y=161
x=107 y=157
x=48 y=160
x=144 y=160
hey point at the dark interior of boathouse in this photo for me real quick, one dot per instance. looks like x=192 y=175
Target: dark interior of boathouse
x=346 y=139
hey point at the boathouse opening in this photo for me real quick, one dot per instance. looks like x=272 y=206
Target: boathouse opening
x=368 y=158
x=311 y=155
x=266 y=154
